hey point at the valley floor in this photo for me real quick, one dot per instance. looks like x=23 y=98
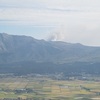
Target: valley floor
x=45 y=88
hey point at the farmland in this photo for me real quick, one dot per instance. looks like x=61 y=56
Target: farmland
x=46 y=88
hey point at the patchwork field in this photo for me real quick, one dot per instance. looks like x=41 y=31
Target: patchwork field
x=48 y=89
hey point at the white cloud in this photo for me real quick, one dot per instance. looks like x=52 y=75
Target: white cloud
x=75 y=20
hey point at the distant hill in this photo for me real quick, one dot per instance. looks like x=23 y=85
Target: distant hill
x=26 y=51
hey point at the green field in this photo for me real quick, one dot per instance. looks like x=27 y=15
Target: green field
x=48 y=89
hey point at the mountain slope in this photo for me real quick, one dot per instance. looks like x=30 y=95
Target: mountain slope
x=15 y=48
x=24 y=55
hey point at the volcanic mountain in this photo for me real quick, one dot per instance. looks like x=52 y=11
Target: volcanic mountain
x=27 y=51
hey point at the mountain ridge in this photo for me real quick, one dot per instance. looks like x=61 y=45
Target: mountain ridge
x=23 y=55
x=16 y=48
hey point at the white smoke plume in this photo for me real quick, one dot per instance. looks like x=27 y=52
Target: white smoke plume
x=85 y=33
x=56 y=36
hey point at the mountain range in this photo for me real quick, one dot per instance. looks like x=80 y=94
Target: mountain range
x=27 y=51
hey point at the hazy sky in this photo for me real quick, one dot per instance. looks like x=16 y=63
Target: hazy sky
x=75 y=21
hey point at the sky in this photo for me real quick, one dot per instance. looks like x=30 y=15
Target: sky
x=74 y=21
